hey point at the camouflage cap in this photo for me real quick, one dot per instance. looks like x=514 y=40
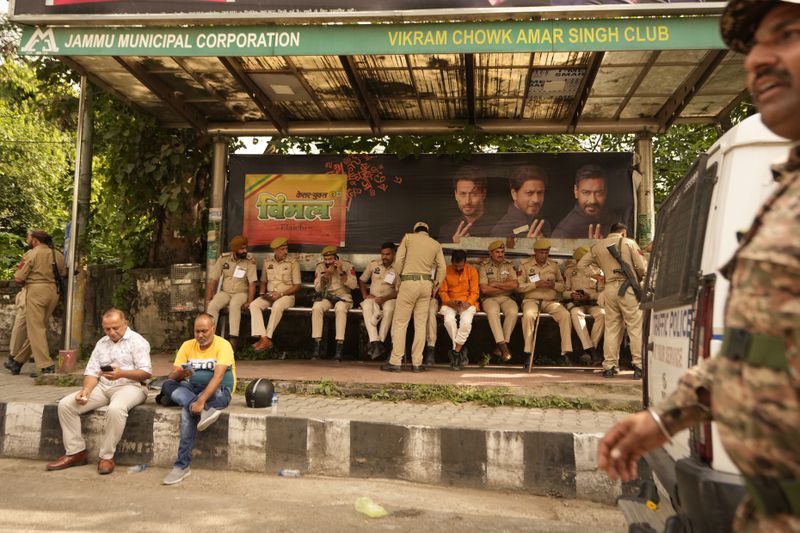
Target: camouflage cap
x=277 y=242
x=542 y=244
x=329 y=250
x=579 y=252
x=741 y=19
x=237 y=243
x=494 y=245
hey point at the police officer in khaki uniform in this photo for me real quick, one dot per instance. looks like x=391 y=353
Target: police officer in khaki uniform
x=280 y=280
x=36 y=275
x=238 y=271
x=497 y=278
x=419 y=258
x=581 y=289
x=620 y=310
x=333 y=281
x=541 y=283
x=378 y=302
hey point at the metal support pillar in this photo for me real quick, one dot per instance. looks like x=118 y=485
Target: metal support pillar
x=81 y=190
x=214 y=235
x=645 y=197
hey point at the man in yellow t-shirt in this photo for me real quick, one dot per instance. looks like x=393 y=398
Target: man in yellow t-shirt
x=202 y=382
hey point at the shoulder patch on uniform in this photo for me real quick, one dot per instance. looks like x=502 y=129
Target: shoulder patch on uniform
x=270 y=266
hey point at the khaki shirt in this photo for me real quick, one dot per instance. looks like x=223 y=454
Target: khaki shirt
x=339 y=285
x=376 y=275
x=599 y=255
x=280 y=275
x=237 y=274
x=418 y=253
x=37 y=266
x=547 y=272
x=580 y=278
x=489 y=272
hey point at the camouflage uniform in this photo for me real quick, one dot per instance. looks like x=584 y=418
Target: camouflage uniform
x=756 y=399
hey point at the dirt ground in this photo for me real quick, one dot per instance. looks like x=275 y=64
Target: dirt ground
x=78 y=499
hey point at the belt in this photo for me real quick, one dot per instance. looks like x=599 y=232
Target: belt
x=755 y=349
x=415 y=277
x=774 y=496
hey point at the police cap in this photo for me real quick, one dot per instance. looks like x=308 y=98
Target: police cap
x=494 y=245
x=277 y=242
x=329 y=250
x=542 y=244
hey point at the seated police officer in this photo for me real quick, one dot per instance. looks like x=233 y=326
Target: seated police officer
x=378 y=303
x=333 y=281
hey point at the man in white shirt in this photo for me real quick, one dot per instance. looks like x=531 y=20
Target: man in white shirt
x=119 y=364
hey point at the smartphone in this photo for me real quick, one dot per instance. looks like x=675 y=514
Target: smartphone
x=107 y=368
x=187 y=367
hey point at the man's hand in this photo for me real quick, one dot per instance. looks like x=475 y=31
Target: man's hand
x=197 y=406
x=536 y=229
x=246 y=305
x=378 y=299
x=594 y=231
x=544 y=284
x=626 y=442
x=461 y=231
x=82 y=396
x=578 y=295
x=114 y=374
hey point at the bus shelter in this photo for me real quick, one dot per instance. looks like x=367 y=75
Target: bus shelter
x=391 y=67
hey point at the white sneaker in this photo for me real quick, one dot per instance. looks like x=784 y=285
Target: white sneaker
x=176 y=475
x=208 y=417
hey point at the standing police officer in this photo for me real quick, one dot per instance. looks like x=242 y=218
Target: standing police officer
x=36 y=275
x=280 y=280
x=418 y=256
x=238 y=271
x=621 y=309
x=333 y=281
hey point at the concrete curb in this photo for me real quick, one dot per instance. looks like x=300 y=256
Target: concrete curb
x=539 y=462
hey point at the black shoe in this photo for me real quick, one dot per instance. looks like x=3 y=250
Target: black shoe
x=339 y=349
x=374 y=349
x=584 y=359
x=429 y=356
x=389 y=367
x=14 y=367
x=610 y=373
x=637 y=373
x=464 y=359
x=46 y=370
x=597 y=356
x=455 y=359
x=419 y=368
x=317 y=350
x=526 y=364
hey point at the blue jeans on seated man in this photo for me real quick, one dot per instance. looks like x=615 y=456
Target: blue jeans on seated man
x=184 y=394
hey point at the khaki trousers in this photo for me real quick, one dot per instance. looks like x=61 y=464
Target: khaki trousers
x=369 y=310
x=234 y=303
x=531 y=308
x=40 y=301
x=119 y=399
x=492 y=307
x=318 y=316
x=621 y=312
x=432 y=330
x=257 y=308
x=414 y=297
x=19 y=344
x=578 y=315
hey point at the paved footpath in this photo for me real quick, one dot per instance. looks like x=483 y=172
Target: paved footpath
x=543 y=451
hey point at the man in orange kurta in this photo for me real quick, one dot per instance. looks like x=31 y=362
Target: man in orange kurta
x=459 y=293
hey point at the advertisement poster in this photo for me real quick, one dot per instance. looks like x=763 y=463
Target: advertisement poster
x=305 y=208
x=371 y=199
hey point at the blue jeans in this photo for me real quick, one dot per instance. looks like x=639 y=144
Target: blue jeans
x=184 y=394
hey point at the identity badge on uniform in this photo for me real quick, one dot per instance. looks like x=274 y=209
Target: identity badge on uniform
x=239 y=272
x=534 y=278
x=389 y=277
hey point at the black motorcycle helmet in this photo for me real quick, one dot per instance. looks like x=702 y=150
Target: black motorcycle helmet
x=259 y=393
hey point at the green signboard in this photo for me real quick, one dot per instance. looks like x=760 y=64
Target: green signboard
x=523 y=36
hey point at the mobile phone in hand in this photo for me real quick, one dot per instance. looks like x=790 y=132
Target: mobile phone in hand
x=188 y=367
x=107 y=368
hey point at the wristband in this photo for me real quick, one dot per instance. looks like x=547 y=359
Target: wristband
x=660 y=424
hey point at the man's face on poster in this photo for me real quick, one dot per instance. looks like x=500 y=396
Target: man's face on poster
x=590 y=194
x=530 y=197
x=470 y=198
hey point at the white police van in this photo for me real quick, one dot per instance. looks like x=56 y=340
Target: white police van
x=685 y=294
